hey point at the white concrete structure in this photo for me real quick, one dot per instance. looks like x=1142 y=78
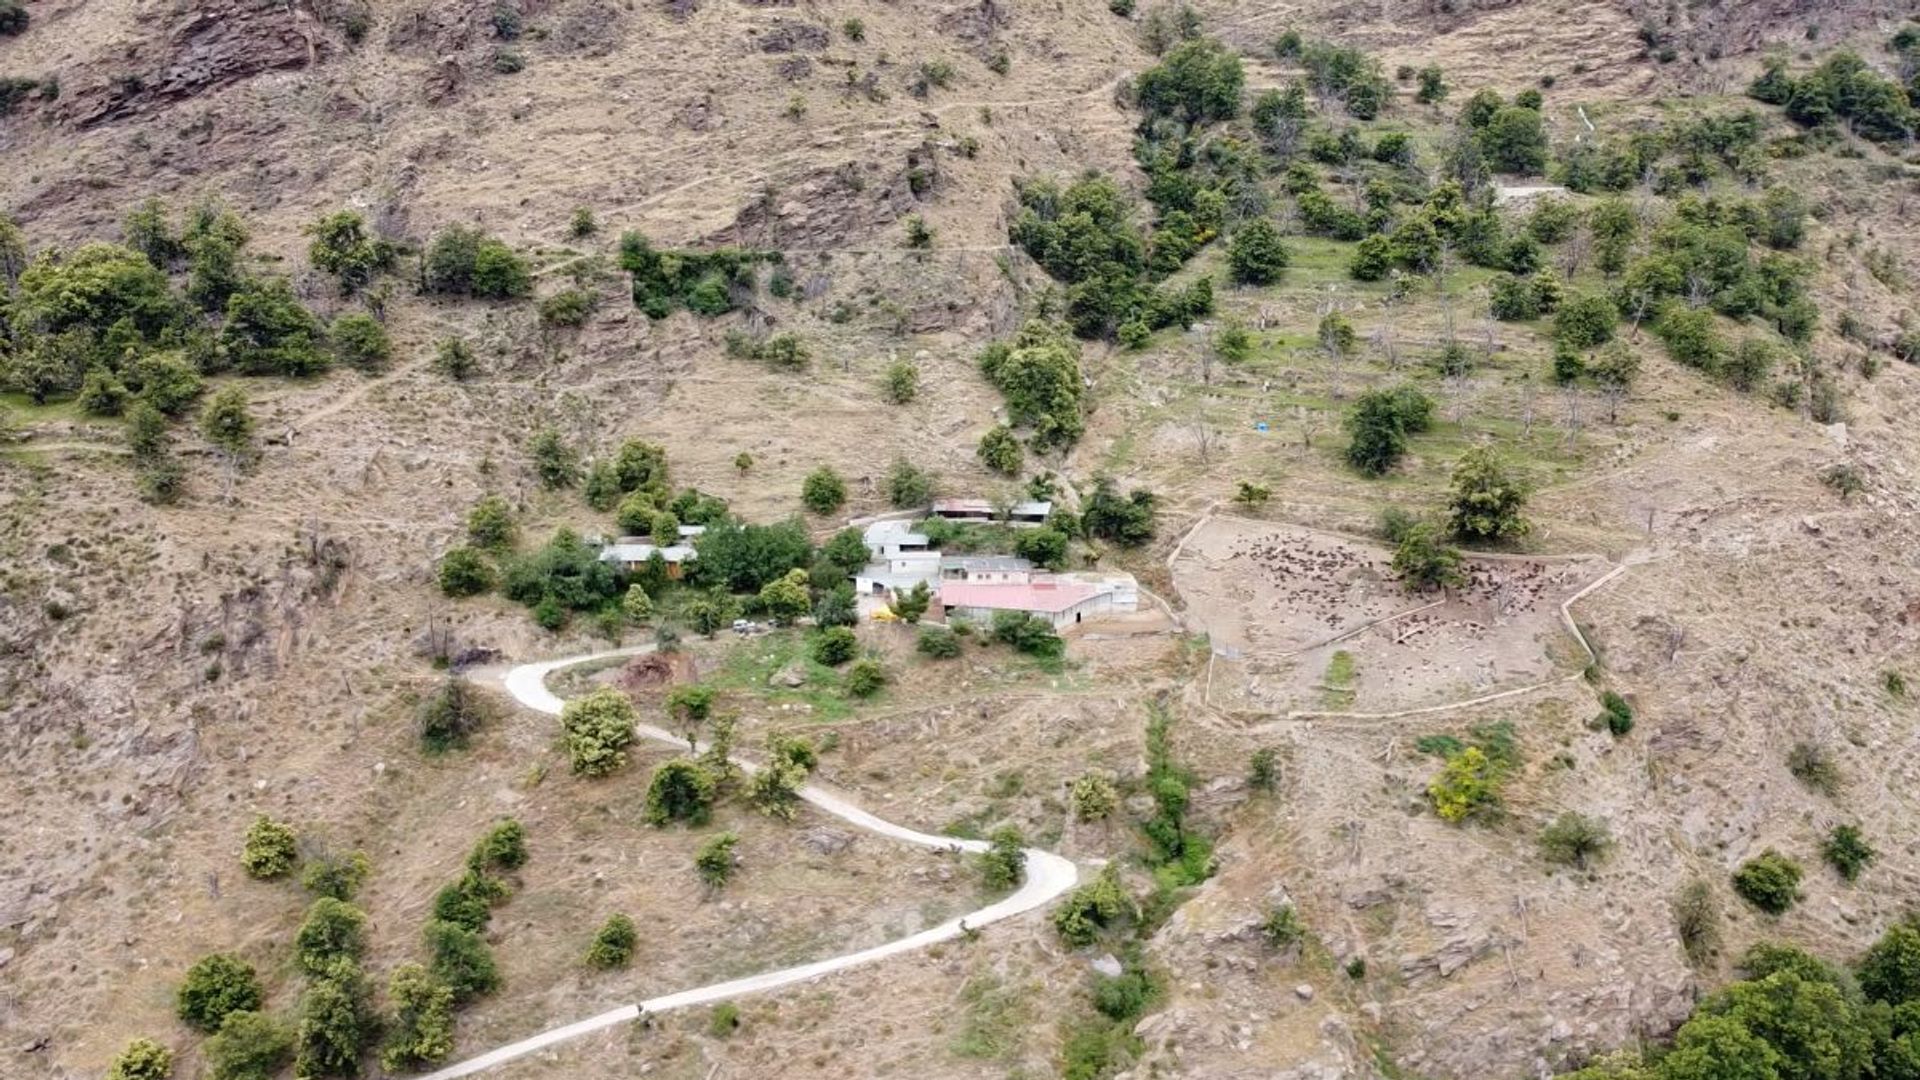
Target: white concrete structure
x=888 y=538
x=631 y=553
x=986 y=569
x=1123 y=591
x=981 y=512
x=900 y=571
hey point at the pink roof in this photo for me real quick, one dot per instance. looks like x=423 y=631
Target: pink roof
x=1048 y=596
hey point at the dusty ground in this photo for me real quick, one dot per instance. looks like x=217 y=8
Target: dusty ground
x=165 y=674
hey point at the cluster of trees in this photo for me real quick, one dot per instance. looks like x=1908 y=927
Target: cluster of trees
x=1843 y=90
x=1084 y=237
x=1473 y=771
x=706 y=283
x=1793 y=1015
x=1038 y=372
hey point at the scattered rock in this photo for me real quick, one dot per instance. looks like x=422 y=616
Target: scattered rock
x=1304 y=992
x=825 y=840
x=793 y=675
x=1107 y=965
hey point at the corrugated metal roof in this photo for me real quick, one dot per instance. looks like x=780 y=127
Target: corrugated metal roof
x=1048 y=596
x=626 y=552
x=984 y=562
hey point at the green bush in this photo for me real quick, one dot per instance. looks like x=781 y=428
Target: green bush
x=1769 y=881
x=703 y=282
x=450 y=716
x=1000 y=450
x=269 y=332
x=1585 y=322
x=334 y=1025
x=1004 y=864
x=460 y=959
x=215 y=986
x=1127 y=521
x=143 y=1059
x=1379 y=424
x=421 y=1030
x=465 y=261
x=13 y=19
x=1372 y=260
x=249 y=1046
x=490 y=524
x=1027 y=633
x=1198 y=82
x=865 y=678
x=1486 y=500
x=1813 y=765
x=598 y=728
x=937 y=642
x=271 y=849
x=1847 y=851
x=468 y=901
x=908 y=485
x=1038 y=372
x=613 y=944
x=568 y=307
x=361 y=341
x=834 y=646
x=454 y=358
x=465 y=572
x=1575 y=839
x=823 y=491
x=1098 y=905
x=681 y=790
x=333 y=930
x=1257 y=255
x=504 y=847
x=336 y=876
x=714 y=861
x=1425 y=562
x=1616 y=715
x=903 y=382
x=1890 y=970
x=343 y=247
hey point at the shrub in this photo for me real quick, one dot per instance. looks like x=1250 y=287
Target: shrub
x=568 y=307
x=333 y=930
x=598 y=729
x=724 y=1021
x=468 y=901
x=1257 y=255
x=143 y=1059
x=249 y=1046
x=1514 y=299
x=1469 y=782
x=1615 y=714
x=1769 y=881
x=582 y=224
x=1000 y=450
x=1425 y=562
x=1026 y=633
x=903 y=382
x=908 y=486
x=1515 y=140
x=449 y=718
x=334 y=1024
x=13 y=18
x=1486 y=501
x=343 y=247
x=1814 y=766
x=215 y=986
x=269 y=332
x=613 y=945
x=1004 y=864
x=1696 y=918
x=1890 y=970
x=1095 y=906
x=490 y=524
x=834 y=646
x=1575 y=839
x=454 y=358
x=504 y=847
x=459 y=958
x=1038 y=372
x=270 y=849
x=1199 y=82
x=101 y=393
x=466 y=261
x=1379 y=424
x=1282 y=927
x=938 y=643
x=1585 y=322
x=681 y=790
x=421 y=1030
x=714 y=861
x=1126 y=521
x=1263 y=769
x=865 y=678
x=1372 y=260
x=465 y=572
x=1847 y=851
x=823 y=491
x=339 y=877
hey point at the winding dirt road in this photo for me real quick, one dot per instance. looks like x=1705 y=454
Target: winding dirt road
x=1047 y=876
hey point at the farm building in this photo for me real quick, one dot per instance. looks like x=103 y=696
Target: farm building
x=981 y=512
x=1061 y=603
x=986 y=569
x=631 y=553
x=887 y=538
x=900 y=571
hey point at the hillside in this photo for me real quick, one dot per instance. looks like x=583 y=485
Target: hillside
x=1250 y=294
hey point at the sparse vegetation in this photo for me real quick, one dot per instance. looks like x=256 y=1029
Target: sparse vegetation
x=1769 y=881
x=271 y=849
x=613 y=944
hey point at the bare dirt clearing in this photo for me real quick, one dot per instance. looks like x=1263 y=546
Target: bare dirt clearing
x=1304 y=621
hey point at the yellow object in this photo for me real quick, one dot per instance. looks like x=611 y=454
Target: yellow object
x=883 y=613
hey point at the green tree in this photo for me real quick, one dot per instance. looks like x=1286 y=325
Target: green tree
x=361 y=341
x=937 y=643
x=460 y=959
x=1433 y=86
x=1468 y=782
x=101 y=393
x=269 y=332
x=1093 y=796
x=1045 y=546
x=1486 y=500
x=337 y=876
x=787 y=599
x=554 y=462
x=681 y=790
x=908 y=485
x=343 y=247
x=227 y=423
x=823 y=491
x=1004 y=864
x=711 y=613
x=334 y=1023
x=465 y=572
x=1720 y=1048
x=333 y=930
x=846 y=551
x=1000 y=450
x=1575 y=839
x=1378 y=426
x=834 y=646
x=1425 y=562
x=598 y=729
x=217 y=984
x=270 y=850
x=911 y=604
x=635 y=604
x=1847 y=851
x=451 y=716
x=1585 y=322
x=248 y=1046
x=143 y=1059
x=1372 y=260
x=148 y=231
x=1127 y=521
x=1515 y=141
x=1199 y=82
x=865 y=678
x=421 y=1030
x=454 y=358
x=1257 y=255
x=715 y=860
x=1890 y=970
x=902 y=382
x=490 y=524
x=1769 y=881
x=1039 y=374
x=503 y=847
x=613 y=944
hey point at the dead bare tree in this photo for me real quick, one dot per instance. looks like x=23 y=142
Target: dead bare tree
x=1572 y=400
x=1206 y=441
